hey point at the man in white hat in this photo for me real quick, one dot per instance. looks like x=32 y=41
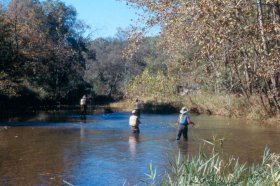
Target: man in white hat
x=134 y=122
x=183 y=121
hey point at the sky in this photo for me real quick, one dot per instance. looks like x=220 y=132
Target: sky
x=104 y=16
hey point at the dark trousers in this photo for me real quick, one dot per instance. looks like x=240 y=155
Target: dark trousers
x=83 y=110
x=182 y=129
x=135 y=129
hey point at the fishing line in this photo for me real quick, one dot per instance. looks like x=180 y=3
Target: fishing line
x=194 y=136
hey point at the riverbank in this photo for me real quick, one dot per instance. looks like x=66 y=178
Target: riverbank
x=211 y=104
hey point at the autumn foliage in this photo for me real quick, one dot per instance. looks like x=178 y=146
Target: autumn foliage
x=42 y=51
x=225 y=46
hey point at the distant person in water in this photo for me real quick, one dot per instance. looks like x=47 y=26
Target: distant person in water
x=83 y=104
x=134 y=122
x=137 y=107
x=183 y=121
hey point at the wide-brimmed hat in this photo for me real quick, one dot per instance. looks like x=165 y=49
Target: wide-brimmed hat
x=184 y=110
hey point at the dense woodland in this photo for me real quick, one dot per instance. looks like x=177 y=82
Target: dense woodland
x=47 y=59
x=222 y=51
x=42 y=50
x=226 y=47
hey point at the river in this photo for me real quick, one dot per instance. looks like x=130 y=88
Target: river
x=62 y=149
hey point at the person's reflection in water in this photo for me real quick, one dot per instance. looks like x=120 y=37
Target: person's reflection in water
x=183 y=147
x=133 y=140
x=82 y=133
x=82 y=129
x=83 y=120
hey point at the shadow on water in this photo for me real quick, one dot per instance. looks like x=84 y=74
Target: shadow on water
x=56 y=149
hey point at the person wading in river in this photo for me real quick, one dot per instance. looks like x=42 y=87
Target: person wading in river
x=134 y=122
x=137 y=107
x=83 y=104
x=183 y=121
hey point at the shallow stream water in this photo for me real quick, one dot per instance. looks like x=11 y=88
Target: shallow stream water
x=64 y=149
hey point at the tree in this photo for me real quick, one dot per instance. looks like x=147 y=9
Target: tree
x=110 y=73
x=66 y=45
x=225 y=46
x=107 y=70
x=46 y=49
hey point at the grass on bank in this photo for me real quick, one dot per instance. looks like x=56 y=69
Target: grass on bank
x=203 y=103
x=212 y=169
x=162 y=91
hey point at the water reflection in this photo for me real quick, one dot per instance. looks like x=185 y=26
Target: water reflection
x=26 y=160
x=133 y=140
x=82 y=133
x=183 y=146
x=63 y=150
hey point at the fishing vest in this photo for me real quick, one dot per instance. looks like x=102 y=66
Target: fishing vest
x=133 y=121
x=83 y=101
x=183 y=119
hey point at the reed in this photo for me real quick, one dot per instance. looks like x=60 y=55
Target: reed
x=212 y=169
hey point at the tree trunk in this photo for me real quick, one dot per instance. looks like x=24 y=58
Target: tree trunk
x=274 y=79
x=260 y=14
x=272 y=89
x=276 y=13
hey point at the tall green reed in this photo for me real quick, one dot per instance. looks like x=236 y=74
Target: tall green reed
x=211 y=169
